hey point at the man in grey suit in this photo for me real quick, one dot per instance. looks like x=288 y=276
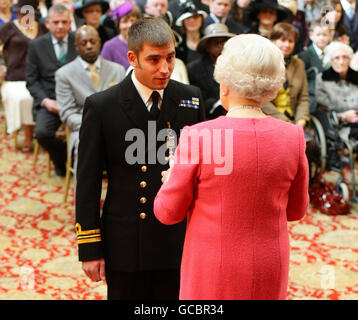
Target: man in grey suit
x=77 y=80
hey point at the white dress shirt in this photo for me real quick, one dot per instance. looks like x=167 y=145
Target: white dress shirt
x=56 y=45
x=145 y=93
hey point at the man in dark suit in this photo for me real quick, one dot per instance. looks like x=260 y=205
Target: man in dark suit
x=123 y=129
x=219 y=11
x=47 y=54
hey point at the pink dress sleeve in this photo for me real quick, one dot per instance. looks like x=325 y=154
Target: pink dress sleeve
x=298 y=198
x=177 y=194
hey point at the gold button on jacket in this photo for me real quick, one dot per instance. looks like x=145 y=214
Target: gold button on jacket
x=143 y=184
x=143 y=200
x=142 y=215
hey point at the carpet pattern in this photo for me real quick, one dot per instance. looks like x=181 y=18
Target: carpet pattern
x=38 y=250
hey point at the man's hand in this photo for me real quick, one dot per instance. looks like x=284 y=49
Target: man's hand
x=94 y=269
x=50 y=105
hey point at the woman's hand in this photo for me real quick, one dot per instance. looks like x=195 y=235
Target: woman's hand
x=349 y=116
x=301 y=123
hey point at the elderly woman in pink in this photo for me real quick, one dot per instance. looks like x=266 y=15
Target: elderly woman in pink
x=238 y=179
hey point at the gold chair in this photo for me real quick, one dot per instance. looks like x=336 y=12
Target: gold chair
x=35 y=156
x=60 y=132
x=15 y=134
x=69 y=168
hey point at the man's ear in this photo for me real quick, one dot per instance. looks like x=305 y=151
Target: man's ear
x=132 y=58
x=47 y=23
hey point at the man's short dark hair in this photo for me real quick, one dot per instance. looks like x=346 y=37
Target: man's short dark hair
x=154 y=31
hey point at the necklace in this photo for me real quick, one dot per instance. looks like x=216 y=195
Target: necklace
x=234 y=108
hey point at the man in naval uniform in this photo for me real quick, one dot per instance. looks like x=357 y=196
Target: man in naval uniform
x=124 y=128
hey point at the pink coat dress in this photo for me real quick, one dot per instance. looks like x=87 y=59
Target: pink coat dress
x=236 y=244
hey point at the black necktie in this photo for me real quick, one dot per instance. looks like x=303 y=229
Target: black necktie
x=154 y=110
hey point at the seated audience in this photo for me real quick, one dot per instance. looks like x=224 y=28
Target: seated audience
x=313 y=57
x=77 y=80
x=46 y=54
x=263 y=14
x=201 y=71
x=116 y=49
x=337 y=87
x=191 y=21
x=219 y=13
x=92 y=11
x=16 y=98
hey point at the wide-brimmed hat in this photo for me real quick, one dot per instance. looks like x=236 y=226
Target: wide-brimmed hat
x=214 y=30
x=21 y=3
x=86 y=3
x=257 y=5
x=187 y=10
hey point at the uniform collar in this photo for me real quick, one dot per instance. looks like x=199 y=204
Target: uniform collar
x=143 y=90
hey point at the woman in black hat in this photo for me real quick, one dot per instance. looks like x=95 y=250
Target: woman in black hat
x=92 y=11
x=191 y=21
x=15 y=37
x=263 y=14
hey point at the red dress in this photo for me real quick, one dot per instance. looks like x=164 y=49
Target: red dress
x=236 y=244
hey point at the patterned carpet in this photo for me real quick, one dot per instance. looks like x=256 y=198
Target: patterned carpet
x=38 y=251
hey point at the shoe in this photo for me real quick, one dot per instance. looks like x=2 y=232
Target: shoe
x=26 y=149
x=60 y=170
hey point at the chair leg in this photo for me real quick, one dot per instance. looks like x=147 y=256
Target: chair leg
x=15 y=138
x=36 y=152
x=4 y=129
x=67 y=183
x=48 y=169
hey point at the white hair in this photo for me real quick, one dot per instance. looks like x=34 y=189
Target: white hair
x=332 y=48
x=252 y=66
